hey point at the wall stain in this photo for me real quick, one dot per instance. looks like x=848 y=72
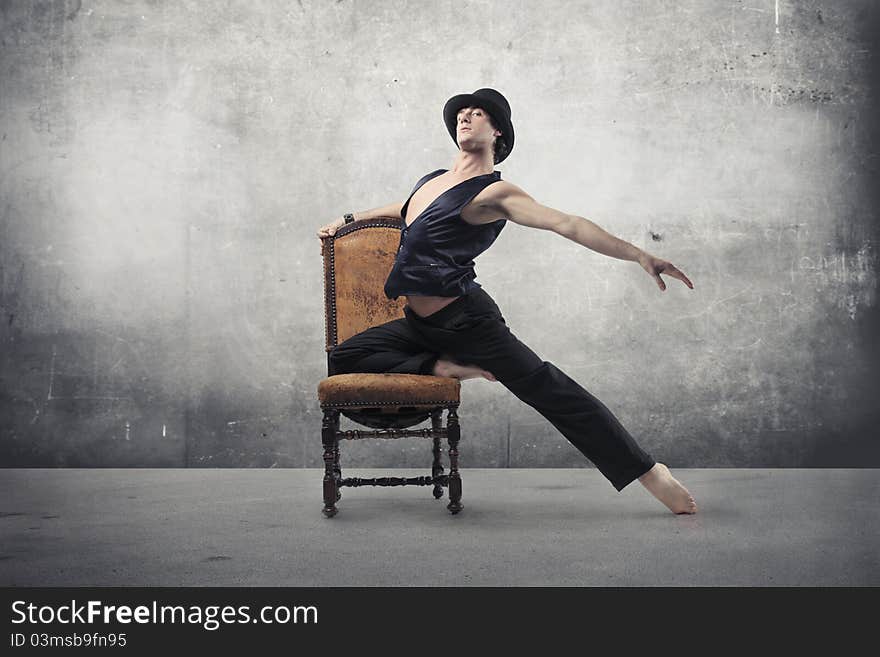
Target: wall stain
x=77 y=5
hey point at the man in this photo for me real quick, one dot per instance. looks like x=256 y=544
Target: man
x=452 y=216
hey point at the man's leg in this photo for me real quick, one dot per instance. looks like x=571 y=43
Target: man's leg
x=475 y=333
x=578 y=415
x=584 y=420
x=391 y=347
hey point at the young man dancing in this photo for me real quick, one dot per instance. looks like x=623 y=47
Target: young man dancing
x=452 y=327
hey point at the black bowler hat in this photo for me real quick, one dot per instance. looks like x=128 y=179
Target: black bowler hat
x=491 y=101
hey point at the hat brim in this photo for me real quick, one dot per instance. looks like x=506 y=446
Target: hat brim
x=499 y=117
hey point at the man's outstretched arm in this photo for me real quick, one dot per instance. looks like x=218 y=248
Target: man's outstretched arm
x=515 y=204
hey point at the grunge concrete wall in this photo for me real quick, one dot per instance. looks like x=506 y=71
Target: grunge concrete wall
x=164 y=167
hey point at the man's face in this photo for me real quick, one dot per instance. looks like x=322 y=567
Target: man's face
x=474 y=124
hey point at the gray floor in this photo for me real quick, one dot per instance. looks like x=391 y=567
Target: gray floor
x=202 y=527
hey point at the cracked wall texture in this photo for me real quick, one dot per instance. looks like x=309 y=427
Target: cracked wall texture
x=164 y=167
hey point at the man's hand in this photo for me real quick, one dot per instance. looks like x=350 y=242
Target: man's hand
x=331 y=228
x=657 y=266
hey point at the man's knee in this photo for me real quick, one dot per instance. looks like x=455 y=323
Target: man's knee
x=336 y=360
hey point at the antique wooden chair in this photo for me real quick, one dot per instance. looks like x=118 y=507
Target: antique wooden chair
x=357 y=260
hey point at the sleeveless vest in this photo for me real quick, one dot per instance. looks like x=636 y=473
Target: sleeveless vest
x=436 y=251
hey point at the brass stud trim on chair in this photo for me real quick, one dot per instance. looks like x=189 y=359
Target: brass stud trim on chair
x=408 y=402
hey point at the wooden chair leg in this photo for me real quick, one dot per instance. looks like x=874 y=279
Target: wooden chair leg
x=453 y=435
x=436 y=467
x=331 y=447
x=337 y=471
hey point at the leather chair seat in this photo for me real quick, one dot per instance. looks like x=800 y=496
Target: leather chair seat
x=392 y=391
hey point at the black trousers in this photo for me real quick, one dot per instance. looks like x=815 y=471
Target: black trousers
x=472 y=331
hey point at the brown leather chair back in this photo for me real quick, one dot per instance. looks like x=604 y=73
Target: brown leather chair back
x=357 y=260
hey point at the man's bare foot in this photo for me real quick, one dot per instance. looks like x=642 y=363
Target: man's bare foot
x=449 y=368
x=666 y=488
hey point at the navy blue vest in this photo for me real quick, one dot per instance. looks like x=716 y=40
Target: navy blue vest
x=436 y=251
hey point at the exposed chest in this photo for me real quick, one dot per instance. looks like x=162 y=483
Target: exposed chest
x=476 y=211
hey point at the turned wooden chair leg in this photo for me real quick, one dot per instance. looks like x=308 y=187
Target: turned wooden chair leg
x=453 y=435
x=337 y=471
x=436 y=467
x=331 y=448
